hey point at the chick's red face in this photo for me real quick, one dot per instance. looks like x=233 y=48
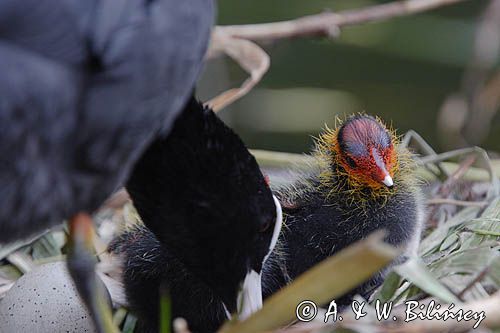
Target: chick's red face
x=367 y=151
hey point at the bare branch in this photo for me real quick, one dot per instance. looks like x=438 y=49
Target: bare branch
x=475 y=280
x=444 y=201
x=251 y=57
x=237 y=41
x=327 y=24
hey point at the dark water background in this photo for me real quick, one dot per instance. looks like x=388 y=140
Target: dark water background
x=402 y=70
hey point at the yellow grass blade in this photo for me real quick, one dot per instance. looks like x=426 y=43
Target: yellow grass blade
x=329 y=279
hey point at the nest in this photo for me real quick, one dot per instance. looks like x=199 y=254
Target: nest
x=459 y=257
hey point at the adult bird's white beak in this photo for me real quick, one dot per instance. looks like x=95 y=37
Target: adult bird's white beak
x=250 y=296
x=388 y=181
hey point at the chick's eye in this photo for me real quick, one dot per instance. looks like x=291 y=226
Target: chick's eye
x=350 y=161
x=265 y=226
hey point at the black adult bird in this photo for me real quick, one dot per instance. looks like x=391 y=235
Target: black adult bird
x=85 y=86
x=363 y=180
x=210 y=222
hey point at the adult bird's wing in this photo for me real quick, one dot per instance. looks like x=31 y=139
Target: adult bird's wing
x=85 y=86
x=37 y=96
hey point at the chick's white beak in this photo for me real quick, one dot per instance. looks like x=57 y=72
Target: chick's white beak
x=388 y=181
x=250 y=296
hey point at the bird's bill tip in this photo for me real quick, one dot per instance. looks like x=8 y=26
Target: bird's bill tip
x=250 y=295
x=388 y=181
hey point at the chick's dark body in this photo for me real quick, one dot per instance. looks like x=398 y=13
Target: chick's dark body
x=150 y=267
x=318 y=225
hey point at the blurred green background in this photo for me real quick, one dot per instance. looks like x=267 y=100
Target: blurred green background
x=402 y=70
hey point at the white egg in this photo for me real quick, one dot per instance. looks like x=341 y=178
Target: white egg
x=44 y=300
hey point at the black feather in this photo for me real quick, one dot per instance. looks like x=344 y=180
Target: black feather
x=85 y=86
x=205 y=200
x=318 y=226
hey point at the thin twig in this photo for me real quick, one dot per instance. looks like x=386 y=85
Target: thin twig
x=424 y=147
x=327 y=24
x=250 y=56
x=471 y=284
x=479 y=152
x=445 y=189
x=444 y=201
x=237 y=41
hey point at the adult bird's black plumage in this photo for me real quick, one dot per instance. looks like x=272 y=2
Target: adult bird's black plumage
x=210 y=221
x=85 y=86
x=362 y=180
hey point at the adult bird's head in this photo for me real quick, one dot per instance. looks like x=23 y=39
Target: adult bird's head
x=203 y=195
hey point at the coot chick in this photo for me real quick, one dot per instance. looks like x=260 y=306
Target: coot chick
x=362 y=180
x=210 y=221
